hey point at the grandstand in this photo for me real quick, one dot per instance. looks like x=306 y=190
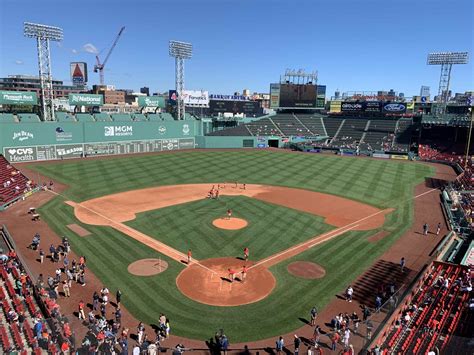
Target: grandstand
x=13 y=184
x=434 y=315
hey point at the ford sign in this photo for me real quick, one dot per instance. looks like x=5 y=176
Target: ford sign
x=396 y=107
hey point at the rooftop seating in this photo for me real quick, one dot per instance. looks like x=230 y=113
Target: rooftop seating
x=102 y=117
x=121 y=117
x=165 y=116
x=154 y=117
x=28 y=117
x=139 y=117
x=64 y=117
x=84 y=117
x=7 y=118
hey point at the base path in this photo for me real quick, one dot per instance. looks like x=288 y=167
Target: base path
x=216 y=289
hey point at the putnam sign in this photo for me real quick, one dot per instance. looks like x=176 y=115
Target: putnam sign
x=86 y=100
x=18 y=98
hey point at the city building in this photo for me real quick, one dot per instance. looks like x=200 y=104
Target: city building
x=425 y=91
x=32 y=83
x=145 y=90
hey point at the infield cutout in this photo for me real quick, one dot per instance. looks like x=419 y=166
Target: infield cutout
x=230 y=223
x=147 y=267
x=306 y=270
x=80 y=231
x=208 y=282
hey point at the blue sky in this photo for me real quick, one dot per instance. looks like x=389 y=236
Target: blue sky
x=354 y=45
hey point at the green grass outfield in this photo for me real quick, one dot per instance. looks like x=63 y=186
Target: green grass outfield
x=381 y=183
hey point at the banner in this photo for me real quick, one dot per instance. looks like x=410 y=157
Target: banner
x=79 y=73
x=394 y=107
x=353 y=106
x=173 y=97
x=196 y=98
x=86 y=100
x=399 y=157
x=18 y=98
x=151 y=101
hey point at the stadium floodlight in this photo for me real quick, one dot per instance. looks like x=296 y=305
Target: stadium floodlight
x=446 y=60
x=44 y=34
x=180 y=51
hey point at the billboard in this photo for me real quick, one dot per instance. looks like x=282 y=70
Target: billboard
x=18 y=98
x=335 y=106
x=248 y=108
x=196 y=98
x=151 y=101
x=298 y=95
x=394 y=107
x=373 y=106
x=274 y=95
x=86 y=100
x=353 y=106
x=173 y=97
x=79 y=73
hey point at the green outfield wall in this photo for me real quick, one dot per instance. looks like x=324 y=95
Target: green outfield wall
x=21 y=142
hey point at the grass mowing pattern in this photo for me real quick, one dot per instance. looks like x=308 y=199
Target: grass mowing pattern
x=271 y=228
x=377 y=182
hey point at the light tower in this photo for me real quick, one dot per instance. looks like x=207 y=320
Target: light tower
x=446 y=60
x=44 y=34
x=180 y=51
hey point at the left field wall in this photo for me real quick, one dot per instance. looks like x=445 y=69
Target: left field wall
x=22 y=142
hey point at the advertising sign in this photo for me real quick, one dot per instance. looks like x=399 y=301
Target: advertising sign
x=373 y=106
x=394 y=107
x=151 y=101
x=335 y=106
x=298 y=95
x=20 y=154
x=353 y=106
x=69 y=151
x=229 y=97
x=196 y=98
x=79 y=73
x=274 y=95
x=18 y=98
x=249 y=108
x=86 y=100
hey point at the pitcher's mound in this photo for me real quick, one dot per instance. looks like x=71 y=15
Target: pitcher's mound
x=231 y=223
x=306 y=270
x=147 y=267
x=208 y=282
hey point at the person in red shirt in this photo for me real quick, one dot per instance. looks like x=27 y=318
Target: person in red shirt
x=246 y=253
x=65 y=347
x=189 y=256
x=334 y=340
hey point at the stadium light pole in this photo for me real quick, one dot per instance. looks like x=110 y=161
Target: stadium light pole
x=446 y=60
x=470 y=103
x=180 y=51
x=44 y=34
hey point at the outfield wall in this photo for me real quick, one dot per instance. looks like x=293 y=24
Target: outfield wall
x=21 y=142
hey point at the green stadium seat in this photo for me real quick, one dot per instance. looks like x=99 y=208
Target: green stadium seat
x=121 y=117
x=84 y=117
x=28 y=117
x=139 y=117
x=7 y=118
x=102 y=117
x=154 y=117
x=64 y=117
x=165 y=116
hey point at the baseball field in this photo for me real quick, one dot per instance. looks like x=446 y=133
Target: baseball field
x=297 y=208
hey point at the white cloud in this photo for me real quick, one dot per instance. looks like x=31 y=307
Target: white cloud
x=74 y=51
x=19 y=62
x=90 y=48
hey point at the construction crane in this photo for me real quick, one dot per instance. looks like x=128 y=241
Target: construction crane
x=99 y=67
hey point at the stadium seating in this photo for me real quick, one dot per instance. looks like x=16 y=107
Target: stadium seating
x=431 y=316
x=332 y=125
x=12 y=182
x=102 y=117
x=28 y=117
x=379 y=135
x=154 y=117
x=313 y=123
x=263 y=127
x=165 y=116
x=84 y=117
x=349 y=133
x=7 y=118
x=289 y=125
x=64 y=117
x=240 y=130
x=121 y=117
x=403 y=135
